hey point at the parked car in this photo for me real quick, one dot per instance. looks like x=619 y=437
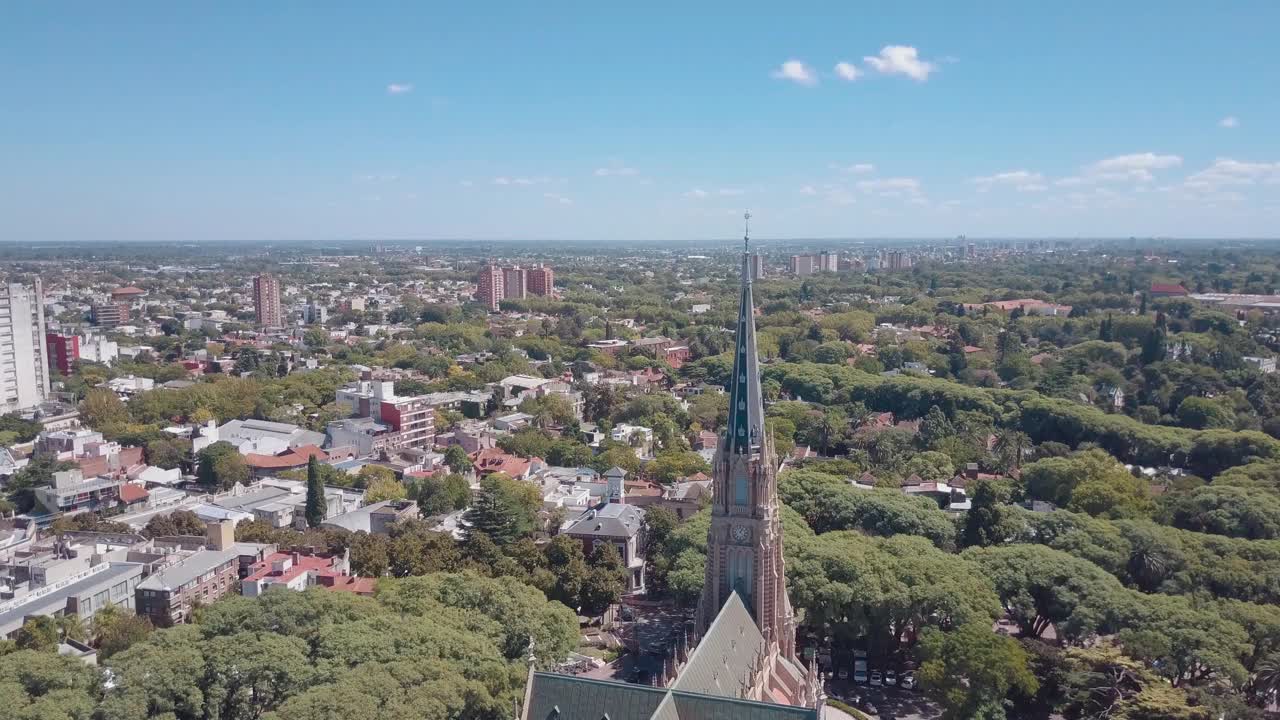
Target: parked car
x=860 y=671
x=869 y=707
x=890 y=677
x=843 y=673
x=908 y=681
x=876 y=678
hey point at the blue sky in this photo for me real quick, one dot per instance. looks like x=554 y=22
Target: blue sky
x=612 y=121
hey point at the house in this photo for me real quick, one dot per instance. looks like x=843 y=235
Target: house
x=292 y=570
x=1264 y=365
x=71 y=491
x=613 y=521
x=513 y=422
x=1159 y=290
x=375 y=519
x=495 y=460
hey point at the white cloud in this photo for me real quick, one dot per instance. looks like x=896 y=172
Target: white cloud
x=557 y=197
x=466 y=183
x=808 y=190
x=901 y=60
x=699 y=193
x=855 y=169
x=1136 y=162
x=1229 y=122
x=615 y=171
x=1226 y=172
x=848 y=71
x=522 y=181
x=399 y=88
x=1021 y=180
x=891 y=187
x=796 y=72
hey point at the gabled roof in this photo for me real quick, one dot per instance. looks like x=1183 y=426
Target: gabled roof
x=709 y=688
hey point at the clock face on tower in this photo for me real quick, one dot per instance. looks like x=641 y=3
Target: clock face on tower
x=741 y=533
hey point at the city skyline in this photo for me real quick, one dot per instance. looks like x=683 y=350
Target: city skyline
x=163 y=124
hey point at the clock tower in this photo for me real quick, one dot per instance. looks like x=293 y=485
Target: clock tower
x=744 y=543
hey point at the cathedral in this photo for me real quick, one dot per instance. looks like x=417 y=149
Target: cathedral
x=744 y=663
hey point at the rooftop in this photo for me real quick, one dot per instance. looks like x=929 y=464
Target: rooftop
x=189 y=570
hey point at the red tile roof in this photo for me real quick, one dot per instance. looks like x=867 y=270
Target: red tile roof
x=1168 y=288
x=494 y=460
x=297 y=457
x=128 y=290
x=131 y=493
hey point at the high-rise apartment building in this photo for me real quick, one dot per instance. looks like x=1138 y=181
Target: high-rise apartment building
x=540 y=280
x=266 y=301
x=515 y=282
x=802 y=265
x=64 y=351
x=757 y=266
x=828 y=261
x=490 y=286
x=24 y=368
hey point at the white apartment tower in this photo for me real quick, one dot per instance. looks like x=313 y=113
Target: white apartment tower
x=24 y=358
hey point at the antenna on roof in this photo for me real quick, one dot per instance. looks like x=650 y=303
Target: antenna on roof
x=746 y=231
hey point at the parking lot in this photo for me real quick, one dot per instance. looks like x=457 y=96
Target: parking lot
x=891 y=703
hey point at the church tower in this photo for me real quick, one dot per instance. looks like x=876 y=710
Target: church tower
x=744 y=543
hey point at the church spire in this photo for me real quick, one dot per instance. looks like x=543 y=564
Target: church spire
x=746 y=405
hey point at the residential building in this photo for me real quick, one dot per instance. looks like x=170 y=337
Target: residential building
x=24 y=367
x=514 y=283
x=375 y=519
x=82 y=594
x=802 y=265
x=757 y=266
x=1263 y=364
x=64 y=351
x=97 y=348
x=613 y=521
x=828 y=261
x=608 y=347
x=490 y=287
x=314 y=314
x=541 y=280
x=292 y=570
x=1159 y=290
x=266 y=301
x=71 y=491
x=168 y=596
x=110 y=314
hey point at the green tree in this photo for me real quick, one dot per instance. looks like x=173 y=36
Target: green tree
x=986 y=522
x=605 y=581
x=504 y=510
x=971 y=671
x=38 y=633
x=176 y=523
x=317 y=506
x=442 y=495
x=1041 y=588
x=384 y=489
x=456 y=459
x=670 y=466
x=222 y=466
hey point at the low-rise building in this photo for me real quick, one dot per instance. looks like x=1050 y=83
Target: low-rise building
x=613 y=521
x=292 y=570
